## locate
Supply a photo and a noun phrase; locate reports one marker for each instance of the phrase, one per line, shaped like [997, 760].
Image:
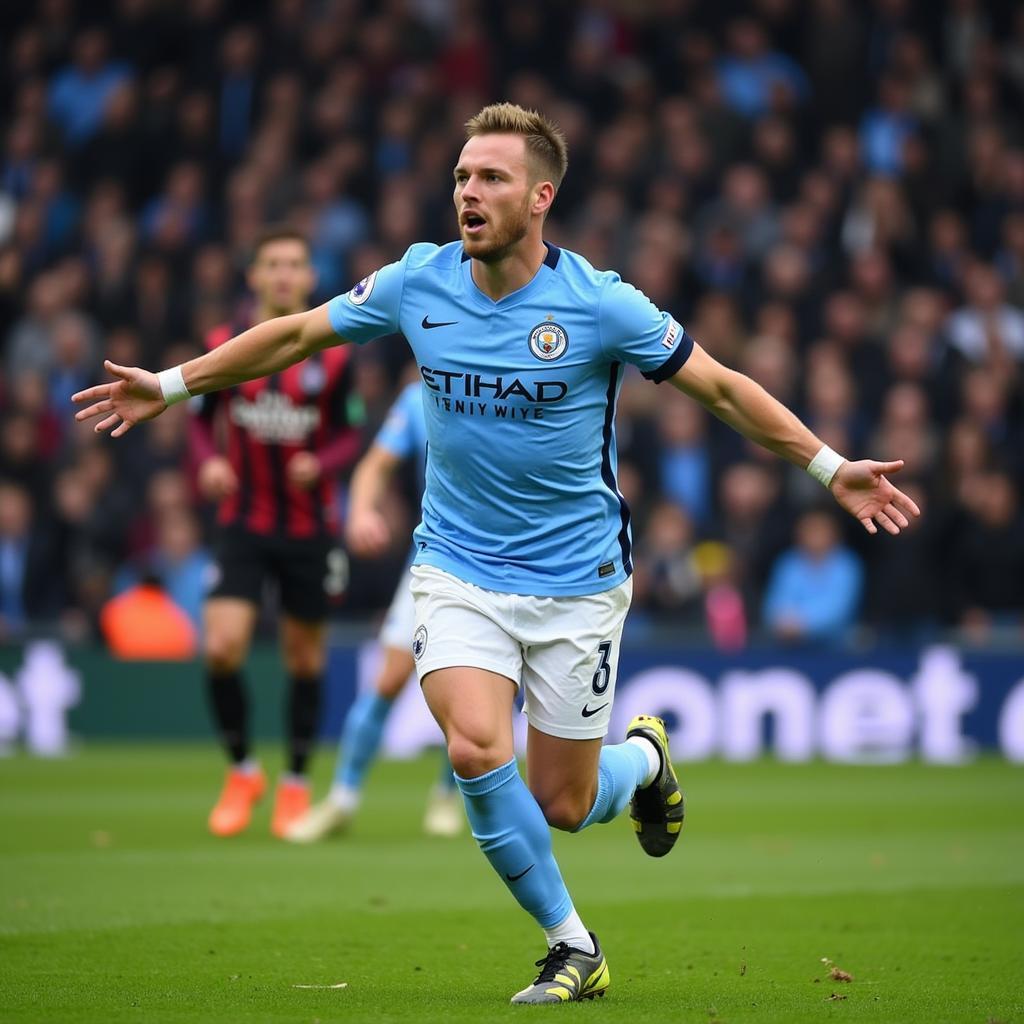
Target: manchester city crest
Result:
[419, 642]
[548, 341]
[361, 292]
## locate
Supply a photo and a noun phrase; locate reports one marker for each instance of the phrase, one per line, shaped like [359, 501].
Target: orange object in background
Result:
[144, 624]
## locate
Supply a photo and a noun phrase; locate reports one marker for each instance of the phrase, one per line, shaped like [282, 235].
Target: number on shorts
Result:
[603, 675]
[336, 580]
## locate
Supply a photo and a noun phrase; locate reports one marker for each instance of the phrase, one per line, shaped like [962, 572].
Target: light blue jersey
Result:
[519, 399]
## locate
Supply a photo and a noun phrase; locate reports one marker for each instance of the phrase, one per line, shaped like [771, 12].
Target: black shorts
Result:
[309, 573]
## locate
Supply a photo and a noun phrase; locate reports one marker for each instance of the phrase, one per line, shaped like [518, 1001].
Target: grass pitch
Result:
[115, 905]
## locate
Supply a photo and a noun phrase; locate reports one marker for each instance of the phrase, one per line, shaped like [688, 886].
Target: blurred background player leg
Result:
[229, 623]
[304, 645]
[302, 569]
[361, 736]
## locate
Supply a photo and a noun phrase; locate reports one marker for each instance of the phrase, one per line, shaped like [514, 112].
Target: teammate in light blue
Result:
[403, 435]
[522, 569]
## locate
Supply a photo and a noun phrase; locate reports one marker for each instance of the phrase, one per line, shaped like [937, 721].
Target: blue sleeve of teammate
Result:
[402, 432]
[634, 330]
[371, 309]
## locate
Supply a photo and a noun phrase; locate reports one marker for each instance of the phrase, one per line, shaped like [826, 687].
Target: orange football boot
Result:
[290, 804]
[233, 810]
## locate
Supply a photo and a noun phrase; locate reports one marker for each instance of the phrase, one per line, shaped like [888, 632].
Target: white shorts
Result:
[400, 621]
[563, 650]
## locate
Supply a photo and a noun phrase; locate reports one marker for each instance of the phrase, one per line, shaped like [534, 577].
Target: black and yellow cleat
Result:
[657, 810]
[568, 975]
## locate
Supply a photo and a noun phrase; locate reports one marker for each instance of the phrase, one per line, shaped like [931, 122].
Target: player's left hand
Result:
[862, 489]
[303, 470]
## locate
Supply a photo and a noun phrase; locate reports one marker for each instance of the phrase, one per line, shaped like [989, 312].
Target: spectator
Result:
[685, 462]
[815, 587]
[989, 557]
[669, 580]
[30, 570]
[79, 93]
[752, 524]
[754, 79]
[985, 328]
[885, 129]
[239, 55]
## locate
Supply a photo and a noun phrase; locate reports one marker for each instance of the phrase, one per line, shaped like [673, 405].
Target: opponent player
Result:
[285, 436]
[403, 434]
[522, 569]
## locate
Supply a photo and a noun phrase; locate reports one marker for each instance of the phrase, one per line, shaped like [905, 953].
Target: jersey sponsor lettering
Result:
[273, 418]
[499, 388]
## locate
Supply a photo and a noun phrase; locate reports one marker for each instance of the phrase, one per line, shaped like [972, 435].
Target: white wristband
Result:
[824, 466]
[172, 385]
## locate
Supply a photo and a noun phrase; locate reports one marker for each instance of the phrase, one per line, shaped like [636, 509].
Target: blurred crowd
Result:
[829, 194]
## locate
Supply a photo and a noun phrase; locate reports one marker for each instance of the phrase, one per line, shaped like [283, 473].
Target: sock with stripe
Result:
[510, 828]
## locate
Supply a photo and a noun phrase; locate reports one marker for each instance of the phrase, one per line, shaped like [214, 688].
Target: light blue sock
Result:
[511, 829]
[360, 738]
[621, 769]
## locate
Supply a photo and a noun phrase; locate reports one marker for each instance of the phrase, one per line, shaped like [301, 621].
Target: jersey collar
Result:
[538, 281]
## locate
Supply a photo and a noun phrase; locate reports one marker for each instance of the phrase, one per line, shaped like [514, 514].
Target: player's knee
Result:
[304, 664]
[471, 759]
[564, 811]
[223, 653]
[390, 686]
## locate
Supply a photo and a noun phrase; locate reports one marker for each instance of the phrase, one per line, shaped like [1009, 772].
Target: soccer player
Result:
[285, 435]
[403, 434]
[522, 568]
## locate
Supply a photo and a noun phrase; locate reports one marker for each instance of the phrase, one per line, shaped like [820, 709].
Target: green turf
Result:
[116, 906]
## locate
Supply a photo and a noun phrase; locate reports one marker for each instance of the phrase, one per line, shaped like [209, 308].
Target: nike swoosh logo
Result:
[515, 878]
[428, 326]
[588, 711]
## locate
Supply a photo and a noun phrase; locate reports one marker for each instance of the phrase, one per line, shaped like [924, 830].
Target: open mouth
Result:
[472, 223]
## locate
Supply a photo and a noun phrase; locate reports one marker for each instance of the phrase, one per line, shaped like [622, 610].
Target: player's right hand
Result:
[135, 396]
[216, 478]
[367, 533]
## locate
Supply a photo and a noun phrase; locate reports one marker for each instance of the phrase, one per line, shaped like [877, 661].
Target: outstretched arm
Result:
[859, 487]
[268, 347]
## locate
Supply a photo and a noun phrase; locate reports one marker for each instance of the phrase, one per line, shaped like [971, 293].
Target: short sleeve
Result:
[398, 433]
[371, 309]
[634, 330]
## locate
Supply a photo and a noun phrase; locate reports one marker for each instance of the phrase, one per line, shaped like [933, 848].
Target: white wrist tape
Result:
[824, 466]
[172, 385]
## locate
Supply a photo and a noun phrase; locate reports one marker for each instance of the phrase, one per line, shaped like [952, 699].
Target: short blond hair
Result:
[546, 149]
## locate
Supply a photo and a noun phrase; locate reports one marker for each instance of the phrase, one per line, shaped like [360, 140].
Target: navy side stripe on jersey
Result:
[608, 474]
